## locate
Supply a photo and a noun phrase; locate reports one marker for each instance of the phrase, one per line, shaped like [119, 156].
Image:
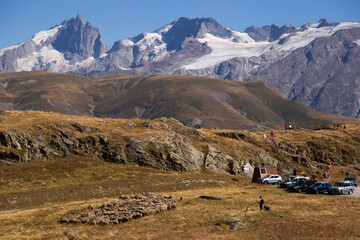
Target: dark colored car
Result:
[296, 182]
[351, 179]
[303, 186]
[293, 186]
[319, 187]
[283, 184]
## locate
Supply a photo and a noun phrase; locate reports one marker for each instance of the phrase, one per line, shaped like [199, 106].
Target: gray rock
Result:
[175, 153]
[150, 194]
[230, 219]
[233, 222]
[71, 234]
[218, 161]
[236, 225]
[79, 39]
[209, 197]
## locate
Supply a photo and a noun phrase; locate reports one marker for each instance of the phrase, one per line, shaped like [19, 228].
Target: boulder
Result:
[209, 197]
[233, 222]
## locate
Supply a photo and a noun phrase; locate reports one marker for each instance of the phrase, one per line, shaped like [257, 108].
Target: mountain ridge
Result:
[202, 46]
[193, 100]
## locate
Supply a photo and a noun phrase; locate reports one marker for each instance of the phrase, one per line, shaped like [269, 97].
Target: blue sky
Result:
[21, 19]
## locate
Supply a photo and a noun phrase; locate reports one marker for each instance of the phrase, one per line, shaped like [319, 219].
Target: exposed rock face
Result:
[79, 40]
[9, 58]
[217, 160]
[323, 75]
[61, 48]
[269, 33]
[173, 152]
[166, 144]
[126, 208]
[181, 156]
[198, 27]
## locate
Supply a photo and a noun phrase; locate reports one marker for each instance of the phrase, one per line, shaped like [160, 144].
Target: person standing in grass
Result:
[261, 202]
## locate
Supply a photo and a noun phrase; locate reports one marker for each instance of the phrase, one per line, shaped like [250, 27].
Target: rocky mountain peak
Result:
[269, 33]
[78, 40]
[323, 22]
[196, 27]
[79, 19]
[76, 22]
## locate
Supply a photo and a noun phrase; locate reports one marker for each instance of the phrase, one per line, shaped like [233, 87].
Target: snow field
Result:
[226, 49]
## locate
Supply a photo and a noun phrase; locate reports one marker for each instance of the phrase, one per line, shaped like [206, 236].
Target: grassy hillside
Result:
[195, 101]
[43, 190]
[67, 187]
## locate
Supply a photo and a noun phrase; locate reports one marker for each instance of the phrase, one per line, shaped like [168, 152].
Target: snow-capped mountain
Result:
[316, 64]
[62, 48]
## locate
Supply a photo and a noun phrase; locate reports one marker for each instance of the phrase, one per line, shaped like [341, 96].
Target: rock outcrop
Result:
[233, 222]
[78, 40]
[166, 144]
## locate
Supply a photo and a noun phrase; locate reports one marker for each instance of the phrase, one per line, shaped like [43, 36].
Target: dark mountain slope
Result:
[323, 75]
[195, 101]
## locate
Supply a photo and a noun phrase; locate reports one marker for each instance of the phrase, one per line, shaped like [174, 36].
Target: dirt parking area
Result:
[356, 193]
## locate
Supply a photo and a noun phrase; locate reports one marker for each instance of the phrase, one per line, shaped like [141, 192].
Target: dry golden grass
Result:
[30, 184]
[44, 191]
[292, 216]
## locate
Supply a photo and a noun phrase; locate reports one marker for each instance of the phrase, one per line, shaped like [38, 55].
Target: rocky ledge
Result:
[166, 144]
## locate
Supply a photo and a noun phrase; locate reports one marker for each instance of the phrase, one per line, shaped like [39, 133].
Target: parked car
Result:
[293, 186]
[270, 179]
[319, 187]
[260, 180]
[295, 182]
[342, 187]
[303, 186]
[285, 182]
[352, 180]
[291, 180]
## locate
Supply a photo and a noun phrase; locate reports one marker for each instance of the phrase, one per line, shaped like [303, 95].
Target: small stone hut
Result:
[260, 172]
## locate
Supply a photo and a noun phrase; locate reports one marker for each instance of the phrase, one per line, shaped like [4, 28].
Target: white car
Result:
[272, 179]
